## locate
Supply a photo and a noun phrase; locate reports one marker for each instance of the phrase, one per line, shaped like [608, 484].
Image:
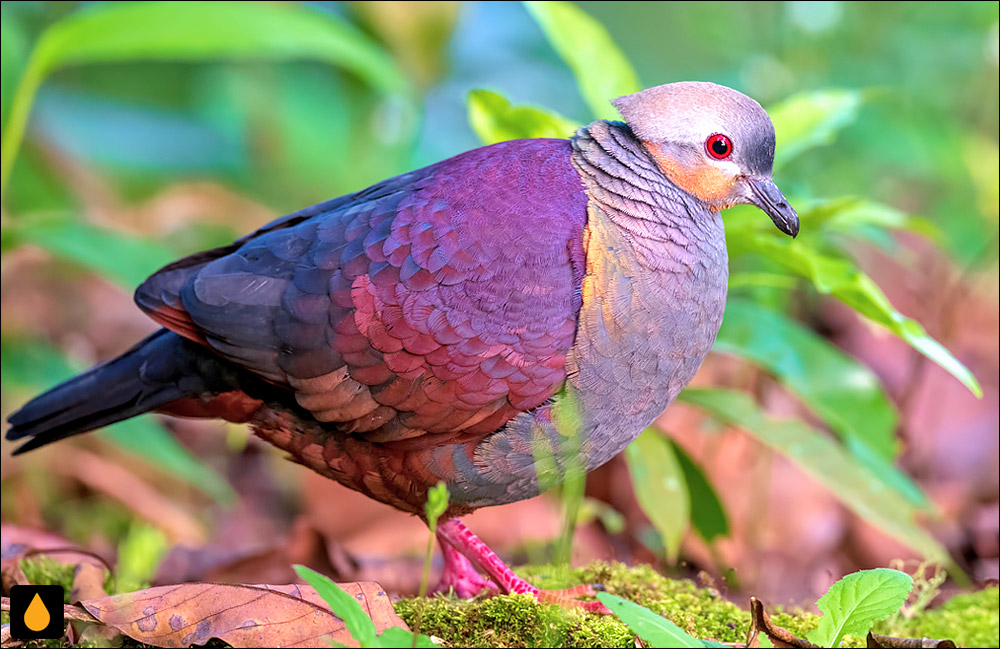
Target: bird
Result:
[487, 321]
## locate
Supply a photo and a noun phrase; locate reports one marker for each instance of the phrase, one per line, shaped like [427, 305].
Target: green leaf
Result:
[601, 69]
[843, 392]
[187, 31]
[180, 31]
[660, 487]
[655, 630]
[858, 600]
[752, 279]
[851, 215]
[841, 278]
[13, 56]
[127, 259]
[358, 624]
[807, 120]
[32, 365]
[437, 504]
[827, 462]
[708, 517]
[398, 637]
[495, 119]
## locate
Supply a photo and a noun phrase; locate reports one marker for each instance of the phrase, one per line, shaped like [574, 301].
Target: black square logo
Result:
[36, 612]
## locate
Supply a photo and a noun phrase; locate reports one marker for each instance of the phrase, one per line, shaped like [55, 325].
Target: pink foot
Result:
[459, 575]
[452, 533]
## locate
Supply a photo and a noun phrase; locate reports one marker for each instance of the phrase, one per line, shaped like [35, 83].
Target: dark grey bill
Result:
[769, 198]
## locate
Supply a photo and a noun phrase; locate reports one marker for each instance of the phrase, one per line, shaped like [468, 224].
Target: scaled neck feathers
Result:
[668, 228]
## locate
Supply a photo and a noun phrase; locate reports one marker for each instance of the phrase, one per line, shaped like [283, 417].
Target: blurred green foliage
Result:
[288, 104]
[139, 555]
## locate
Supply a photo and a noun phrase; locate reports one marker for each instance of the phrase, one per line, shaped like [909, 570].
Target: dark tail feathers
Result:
[162, 368]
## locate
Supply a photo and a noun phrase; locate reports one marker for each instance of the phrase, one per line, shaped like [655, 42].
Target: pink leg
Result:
[459, 575]
[461, 539]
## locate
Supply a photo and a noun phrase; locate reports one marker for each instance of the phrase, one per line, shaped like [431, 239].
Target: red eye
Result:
[719, 146]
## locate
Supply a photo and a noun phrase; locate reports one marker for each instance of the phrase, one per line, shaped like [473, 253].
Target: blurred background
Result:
[161, 131]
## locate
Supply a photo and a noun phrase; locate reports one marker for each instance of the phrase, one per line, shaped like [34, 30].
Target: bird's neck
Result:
[666, 227]
[653, 293]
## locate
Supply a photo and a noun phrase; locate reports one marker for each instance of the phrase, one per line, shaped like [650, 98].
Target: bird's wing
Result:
[440, 301]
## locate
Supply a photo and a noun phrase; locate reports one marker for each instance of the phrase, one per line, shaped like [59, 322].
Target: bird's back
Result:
[430, 308]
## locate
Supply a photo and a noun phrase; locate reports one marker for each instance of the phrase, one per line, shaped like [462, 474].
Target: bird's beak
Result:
[766, 195]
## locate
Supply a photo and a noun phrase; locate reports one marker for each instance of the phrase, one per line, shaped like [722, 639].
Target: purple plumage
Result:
[438, 326]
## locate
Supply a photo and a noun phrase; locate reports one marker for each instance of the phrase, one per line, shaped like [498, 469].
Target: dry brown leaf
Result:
[761, 622]
[781, 638]
[876, 640]
[88, 583]
[20, 542]
[11, 574]
[5, 639]
[243, 616]
[70, 612]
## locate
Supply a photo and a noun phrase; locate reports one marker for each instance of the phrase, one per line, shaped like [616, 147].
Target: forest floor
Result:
[969, 619]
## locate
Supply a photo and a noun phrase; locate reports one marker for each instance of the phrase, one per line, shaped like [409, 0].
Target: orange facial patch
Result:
[704, 180]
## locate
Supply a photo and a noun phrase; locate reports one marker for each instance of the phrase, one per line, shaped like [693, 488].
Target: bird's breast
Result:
[651, 309]
[650, 312]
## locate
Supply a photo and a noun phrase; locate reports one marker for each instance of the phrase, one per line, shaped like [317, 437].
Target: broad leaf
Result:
[858, 600]
[196, 31]
[853, 215]
[344, 606]
[843, 392]
[601, 69]
[13, 56]
[191, 614]
[841, 278]
[495, 119]
[660, 487]
[181, 31]
[400, 637]
[708, 516]
[361, 627]
[827, 462]
[655, 630]
[808, 120]
[126, 259]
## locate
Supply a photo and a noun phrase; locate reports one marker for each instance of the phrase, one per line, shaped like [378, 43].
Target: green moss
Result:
[44, 570]
[519, 621]
[970, 619]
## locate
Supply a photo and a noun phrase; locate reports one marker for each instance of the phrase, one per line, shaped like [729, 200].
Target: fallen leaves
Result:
[779, 637]
[190, 614]
[782, 638]
[240, 615]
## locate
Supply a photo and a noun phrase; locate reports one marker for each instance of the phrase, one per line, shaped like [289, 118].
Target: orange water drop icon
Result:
[36, 617]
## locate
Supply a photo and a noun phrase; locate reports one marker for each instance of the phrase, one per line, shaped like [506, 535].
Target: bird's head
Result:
[713, 142]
